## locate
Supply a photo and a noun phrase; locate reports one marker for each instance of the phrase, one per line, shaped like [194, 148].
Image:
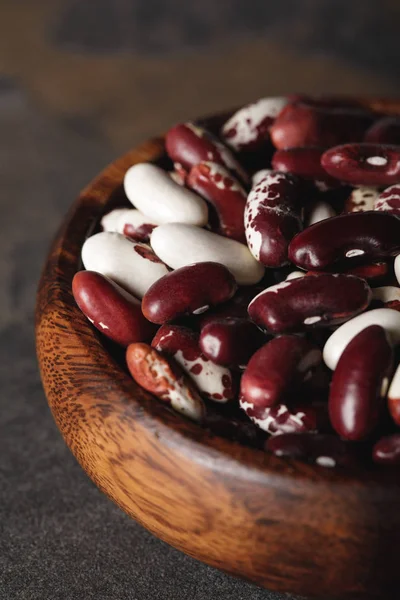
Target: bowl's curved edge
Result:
[235, 508]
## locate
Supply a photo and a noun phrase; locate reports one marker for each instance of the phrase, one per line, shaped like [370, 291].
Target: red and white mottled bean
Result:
[389, 200]
[155, 194]
[212, 380]
[179, 245]
[388, 296]
[259, 176]
[132, 265]
[387, 318]
[361, 199]
[272, 218]
[248, 128]
[165, 379]
[282, 418]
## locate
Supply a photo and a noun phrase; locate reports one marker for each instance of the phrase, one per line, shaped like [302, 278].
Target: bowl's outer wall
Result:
[282, 524]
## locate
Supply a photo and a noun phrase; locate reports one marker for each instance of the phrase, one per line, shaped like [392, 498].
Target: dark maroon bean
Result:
[369, 235]
[320, 449]
[387, 450]
[188, 290]
[319, 301]
[212, 380]
[302, 125]
[111, 309]
[230, 342]
[272, 218]
[384, 131]
[224, 192]
[363, 164]
[188, 144]
[360, 383]
[274, 371]
[389, 200]
[304, 162]
[374, 272]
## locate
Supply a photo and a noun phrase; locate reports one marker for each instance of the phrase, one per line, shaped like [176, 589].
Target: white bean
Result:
[155, 194]
[111, 220]
[131, 265]
[179, 245]
[397, 268]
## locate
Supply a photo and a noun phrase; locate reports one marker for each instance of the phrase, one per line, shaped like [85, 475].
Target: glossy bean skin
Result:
[109, 222]
[299, 124]
[132, 265]
[181, 245]
[384, 131]
[387, 450]
[361, 199]
[248, 128]
[216, 184]
[112, 310]
[272, 218]
[273, 372]
[165, 379]
[389, 200]
[230, 342]
[188, 290]
[319, 301]
[324, 450]
[394, 397]
[284, 418]
[305, 162]
[386, 318]
[189, 144]
[212, 380]
[360, 383]
[363, 164]
[369, 234]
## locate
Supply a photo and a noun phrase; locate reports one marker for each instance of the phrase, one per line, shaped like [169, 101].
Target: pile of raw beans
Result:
[255, 282]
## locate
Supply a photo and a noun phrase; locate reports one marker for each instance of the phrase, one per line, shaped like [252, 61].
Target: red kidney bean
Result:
[272, 218]
[320, 301]
[360, 383]
[394, 397]
[384, 131]
[368, 234]
[363, 164]
[248, 129]
[373, 273]
[361, 199]
[324, 450]
[212, 380]
[230, 342]
[299, 124]
[387, 450]
[224, 192]
[189, 144]
[112, 310]
[274, 371]
[283, 418]
[188, 290]
[165, 379]
[304, 162]
[389, 200]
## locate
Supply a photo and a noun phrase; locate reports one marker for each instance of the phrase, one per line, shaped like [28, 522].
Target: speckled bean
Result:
[131, 265]
[189, 144]
[212, 380]
[360, 383]
[389, 200]
[112, 310]
[179, 245]
[386, 318]
[165, 379]
[248, 128]
[228, 198]
[319, 301]
[361, 199]
[283, 418]
[368, 234]
[272, 218]
[188, 290]
[363, 164]
[155, 194]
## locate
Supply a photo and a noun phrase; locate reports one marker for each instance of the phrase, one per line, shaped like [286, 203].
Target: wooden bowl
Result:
[282, 524]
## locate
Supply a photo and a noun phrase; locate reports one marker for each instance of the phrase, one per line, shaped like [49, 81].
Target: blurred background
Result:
[82, 81]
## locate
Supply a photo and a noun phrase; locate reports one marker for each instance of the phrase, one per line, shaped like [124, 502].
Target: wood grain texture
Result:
[282, 524]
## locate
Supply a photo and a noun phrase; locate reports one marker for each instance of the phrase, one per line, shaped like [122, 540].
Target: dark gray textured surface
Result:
[60, 538]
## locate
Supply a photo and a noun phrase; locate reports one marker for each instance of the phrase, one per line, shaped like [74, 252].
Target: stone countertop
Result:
[69, 103]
